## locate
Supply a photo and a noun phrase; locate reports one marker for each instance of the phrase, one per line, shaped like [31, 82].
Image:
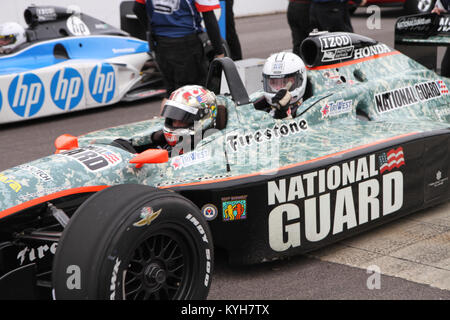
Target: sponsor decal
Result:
[234, 208]
[336, 47]
[398, 98]
[336, 108]
[278, 67]
[439, 180]
[331, 77]
[313, 206]
[413, 23]
[209, 211]
[371, 51]
[101, 26]
[26, 95]
[278, 130]
[1, 101]
[114, 282]
[442, 112]
[94, 158]
[10, 183]
[31, 254]
[147, 216]
[38, 173]
[444, 24]
[394, 158]
[166, 6]
[190, 159]
[124, 50]
[46, 14]
[102, 83]
[77, 27]
[67, 89]
[40, 193]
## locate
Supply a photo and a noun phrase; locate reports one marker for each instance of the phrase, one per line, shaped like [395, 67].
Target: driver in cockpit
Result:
[12, 35]
[189, 112]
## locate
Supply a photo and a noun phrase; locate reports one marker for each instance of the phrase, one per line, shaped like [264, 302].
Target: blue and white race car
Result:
[72, 61]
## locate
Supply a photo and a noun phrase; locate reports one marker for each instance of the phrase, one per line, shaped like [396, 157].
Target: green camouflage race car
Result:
[102, 220]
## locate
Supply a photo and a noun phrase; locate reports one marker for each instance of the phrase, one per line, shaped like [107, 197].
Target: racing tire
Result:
[134, 242]
[419, 6]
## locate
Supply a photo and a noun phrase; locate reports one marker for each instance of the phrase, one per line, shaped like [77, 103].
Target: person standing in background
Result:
[332, 15]
[298, 20]
[232, 37]
[443, 6]
[173, 28]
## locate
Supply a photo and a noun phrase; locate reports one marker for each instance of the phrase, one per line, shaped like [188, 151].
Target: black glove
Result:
[281, 99]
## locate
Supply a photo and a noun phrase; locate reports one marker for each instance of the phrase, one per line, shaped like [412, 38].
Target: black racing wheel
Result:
[134, 242]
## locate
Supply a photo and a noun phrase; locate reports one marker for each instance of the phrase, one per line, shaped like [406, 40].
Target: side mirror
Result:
[150, 156]
[66, 142]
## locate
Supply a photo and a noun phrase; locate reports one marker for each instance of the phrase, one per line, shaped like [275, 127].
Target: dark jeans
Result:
[181, 61]
[232, 37]
[330, 16]
[445, 67]
[298, 19]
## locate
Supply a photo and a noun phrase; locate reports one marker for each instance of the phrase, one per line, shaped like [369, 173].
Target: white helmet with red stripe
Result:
[189, 109]
[284, 70]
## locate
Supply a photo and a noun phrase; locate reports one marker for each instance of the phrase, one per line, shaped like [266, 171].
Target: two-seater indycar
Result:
[101, 219]
[72, 62]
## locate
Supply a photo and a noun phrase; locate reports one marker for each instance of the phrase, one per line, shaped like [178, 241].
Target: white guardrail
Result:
[108, 10]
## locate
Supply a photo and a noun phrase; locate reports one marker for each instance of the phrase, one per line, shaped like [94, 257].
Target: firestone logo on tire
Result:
[26, 95]
[102, 83]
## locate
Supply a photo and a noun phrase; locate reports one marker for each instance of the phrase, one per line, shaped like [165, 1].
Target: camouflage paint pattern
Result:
[343, 88]
[433, 40]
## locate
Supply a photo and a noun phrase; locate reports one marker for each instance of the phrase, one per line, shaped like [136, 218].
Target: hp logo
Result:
[102, 83]
[26, 95]
[67, 89]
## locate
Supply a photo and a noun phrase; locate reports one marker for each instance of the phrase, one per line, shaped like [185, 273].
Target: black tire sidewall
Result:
[107, 249]
[128, 237]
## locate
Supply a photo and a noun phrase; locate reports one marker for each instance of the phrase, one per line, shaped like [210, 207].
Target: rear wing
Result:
[419, 36]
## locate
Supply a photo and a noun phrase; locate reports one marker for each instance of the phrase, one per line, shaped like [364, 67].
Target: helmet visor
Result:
[177, 111]
[7, 40]
[273, 84]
